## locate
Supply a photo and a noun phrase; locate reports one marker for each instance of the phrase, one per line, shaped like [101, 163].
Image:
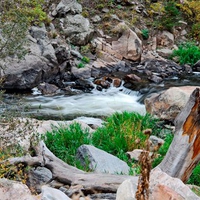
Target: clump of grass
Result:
[123, 132]
[187, 53]
[145, 34]
[64, 142]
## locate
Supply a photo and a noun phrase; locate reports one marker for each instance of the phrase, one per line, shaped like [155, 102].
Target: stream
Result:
[94, 104]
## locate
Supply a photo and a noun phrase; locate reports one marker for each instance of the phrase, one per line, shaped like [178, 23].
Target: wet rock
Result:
[103, 83]
[28, 73]
[47, 88]
[116, 82]
[132, 78]
[156, 79]
[101, 161]
[83, 84]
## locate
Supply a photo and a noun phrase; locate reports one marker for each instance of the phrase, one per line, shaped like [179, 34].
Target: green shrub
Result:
[122, 132]
[169, 17]
[81, 65]
[145, 34]
[187, 53]
[195, 177]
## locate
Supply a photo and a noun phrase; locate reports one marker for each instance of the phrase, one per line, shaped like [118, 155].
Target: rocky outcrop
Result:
[167, 104]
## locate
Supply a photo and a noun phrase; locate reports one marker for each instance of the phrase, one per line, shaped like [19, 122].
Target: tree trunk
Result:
[184, 152]
[66, 174]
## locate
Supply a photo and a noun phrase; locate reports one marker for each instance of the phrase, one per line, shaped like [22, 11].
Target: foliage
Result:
[84, 60]
[187, 53]
[195, 177]
[169, 17]
[145, 34]
[15, 18]
[122, 132]
[13, 172]
[64, 142]
[191, 11]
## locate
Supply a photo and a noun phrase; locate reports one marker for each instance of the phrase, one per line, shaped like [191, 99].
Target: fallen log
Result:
[66, 174]
[184, 152]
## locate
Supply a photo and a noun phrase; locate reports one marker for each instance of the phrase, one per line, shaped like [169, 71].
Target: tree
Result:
[184, 152]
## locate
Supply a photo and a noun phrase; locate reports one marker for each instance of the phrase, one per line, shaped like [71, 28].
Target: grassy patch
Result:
[187, 53]
[121, 132]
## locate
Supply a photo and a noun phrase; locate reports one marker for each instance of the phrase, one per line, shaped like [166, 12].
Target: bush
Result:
[145, 34]
[187, 53]
[122, 133]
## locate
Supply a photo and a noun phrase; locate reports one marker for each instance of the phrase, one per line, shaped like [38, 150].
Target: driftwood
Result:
[64, 173]
[184, 152]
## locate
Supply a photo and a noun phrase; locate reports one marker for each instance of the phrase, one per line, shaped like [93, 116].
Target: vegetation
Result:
[15, 20]
[187, 53]
[121, 133]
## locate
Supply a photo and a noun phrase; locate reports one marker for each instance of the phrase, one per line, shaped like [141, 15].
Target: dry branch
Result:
[67, 174]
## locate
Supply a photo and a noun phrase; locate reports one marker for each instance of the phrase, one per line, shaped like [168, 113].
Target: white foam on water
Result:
[97, 103]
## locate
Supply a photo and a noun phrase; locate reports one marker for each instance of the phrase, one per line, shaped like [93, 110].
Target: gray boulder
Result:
[77, 29]
[101, 161]
[67, 6]
[38, 177]
[49, 193]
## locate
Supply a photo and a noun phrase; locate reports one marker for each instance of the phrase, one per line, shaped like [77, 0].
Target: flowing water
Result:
[96, 103]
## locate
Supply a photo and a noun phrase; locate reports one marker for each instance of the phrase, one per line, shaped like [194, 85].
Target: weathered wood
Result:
[70, 175]
[184, 152]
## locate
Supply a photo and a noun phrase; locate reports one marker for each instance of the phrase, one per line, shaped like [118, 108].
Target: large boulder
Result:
[15, 190]
[38, 65]
[127, 46]
[77, 29]
[167, 104]
[162, 186]
[101, 161]
[67, 6]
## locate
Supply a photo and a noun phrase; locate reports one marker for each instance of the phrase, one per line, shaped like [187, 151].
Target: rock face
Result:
[100, 161]
[15, 190]
[169, 103]
[128, 46]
